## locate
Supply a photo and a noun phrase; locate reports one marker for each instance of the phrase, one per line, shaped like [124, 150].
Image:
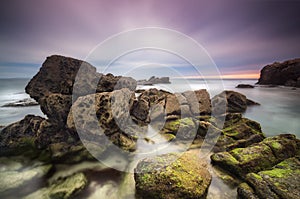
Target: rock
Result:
[62, 188]
[20, 137]
[149, 106]
[103, 114]
[238, 132]
[235, 102]
[56, 107]
[16, 179]
[286, 73]
[53, 85]
[154, 80]
[172, 176]
[182, 128]
[22, 103]
[259, 156]
[199, 101]
[244, 86]
[282, 181]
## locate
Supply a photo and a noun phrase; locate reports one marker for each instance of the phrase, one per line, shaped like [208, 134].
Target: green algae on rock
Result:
[282, 181]
[258, 157]
[62, 188]
[172, 176]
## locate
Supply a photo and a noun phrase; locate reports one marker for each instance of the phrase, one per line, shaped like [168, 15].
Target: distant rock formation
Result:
[154, 80]
[286, 73]
[22, 103]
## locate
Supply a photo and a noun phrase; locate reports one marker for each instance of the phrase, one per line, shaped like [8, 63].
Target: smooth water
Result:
[12, 90]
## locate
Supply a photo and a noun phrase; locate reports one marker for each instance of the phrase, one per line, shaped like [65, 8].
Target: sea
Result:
[278, 113]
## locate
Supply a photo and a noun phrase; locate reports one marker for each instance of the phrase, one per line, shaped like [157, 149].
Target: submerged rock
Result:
[12, 180]
[235, 102]
[259, 156]
[286, 73]
[244, 86]
[172, 176]
[282, 181]
[62, 188]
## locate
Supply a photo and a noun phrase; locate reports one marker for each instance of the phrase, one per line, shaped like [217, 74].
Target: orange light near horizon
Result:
[229, 76]
[241, 76]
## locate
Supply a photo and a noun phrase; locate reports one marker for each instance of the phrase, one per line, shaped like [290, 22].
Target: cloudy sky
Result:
[241, 36]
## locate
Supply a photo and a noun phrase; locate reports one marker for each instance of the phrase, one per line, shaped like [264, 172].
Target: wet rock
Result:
[282, 181]
[244, 86]
[238, 132]
[259, 156]
[172, 176]
[286, 73]
[62, 188]
[235, 102]
[104, 114]
[199, 102]
[20, 136]
[182, 128]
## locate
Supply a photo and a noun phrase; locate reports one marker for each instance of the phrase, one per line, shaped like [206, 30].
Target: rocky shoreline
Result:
[286, 73]
[264, 166]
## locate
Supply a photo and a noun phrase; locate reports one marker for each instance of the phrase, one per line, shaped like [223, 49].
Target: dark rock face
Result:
[258, 157]
[282, 181]
[235, 102]
[172, 176]
[244, 86]
[286, 73]
[53, 85]
[103, 114]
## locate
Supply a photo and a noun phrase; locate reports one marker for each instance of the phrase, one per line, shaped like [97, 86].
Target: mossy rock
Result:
[282, 181]
[62, 188]
[183, 128]
[172, 176]
[257, 157]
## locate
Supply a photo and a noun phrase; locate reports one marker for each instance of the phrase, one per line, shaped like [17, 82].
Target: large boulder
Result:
[104, 114]
[282, 181]
[57, 80]
[172, 176]
[286, 73]
[259, 156]
[235, 102]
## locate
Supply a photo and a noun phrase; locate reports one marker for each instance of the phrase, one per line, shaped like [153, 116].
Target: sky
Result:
[240, 36]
